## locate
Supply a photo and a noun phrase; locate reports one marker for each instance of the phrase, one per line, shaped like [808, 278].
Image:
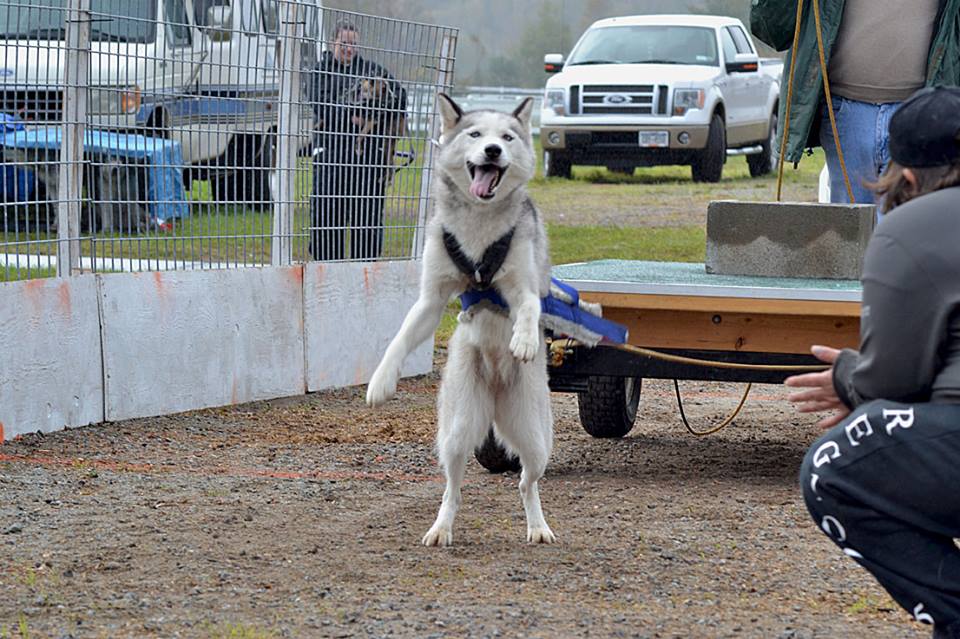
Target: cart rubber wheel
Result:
[495, 458]
[608, 408]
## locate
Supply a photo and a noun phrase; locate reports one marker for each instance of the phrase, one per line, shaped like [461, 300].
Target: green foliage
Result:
[522, 63]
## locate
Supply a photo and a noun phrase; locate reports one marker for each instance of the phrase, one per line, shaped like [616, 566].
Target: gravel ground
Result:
[302, 518]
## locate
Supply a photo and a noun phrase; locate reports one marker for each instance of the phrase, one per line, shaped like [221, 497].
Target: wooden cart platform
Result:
[679, 308]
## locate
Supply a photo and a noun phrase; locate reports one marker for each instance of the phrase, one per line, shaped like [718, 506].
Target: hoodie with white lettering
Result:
[910, 320]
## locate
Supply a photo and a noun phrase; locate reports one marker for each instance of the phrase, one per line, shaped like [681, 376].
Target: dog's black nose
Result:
[493, 151]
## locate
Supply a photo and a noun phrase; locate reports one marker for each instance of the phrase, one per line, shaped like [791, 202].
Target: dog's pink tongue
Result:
[482, 181]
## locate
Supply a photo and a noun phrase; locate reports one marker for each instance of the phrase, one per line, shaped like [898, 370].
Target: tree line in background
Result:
[502, 42]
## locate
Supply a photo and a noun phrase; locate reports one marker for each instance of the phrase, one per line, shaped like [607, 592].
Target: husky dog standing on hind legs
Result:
[484, 235]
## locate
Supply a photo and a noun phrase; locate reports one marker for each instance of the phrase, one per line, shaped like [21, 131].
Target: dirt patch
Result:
[302, 518]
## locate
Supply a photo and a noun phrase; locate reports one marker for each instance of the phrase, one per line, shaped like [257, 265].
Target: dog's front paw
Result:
[541, 535]
[438, 535]
[382, 386]
[524, 345]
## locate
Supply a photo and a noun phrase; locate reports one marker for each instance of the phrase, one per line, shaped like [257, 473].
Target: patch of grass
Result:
[863, 604]
[239, 631]
[448, 323]
[584, 243]
[23, 628]
[664, 195]
[13, 273]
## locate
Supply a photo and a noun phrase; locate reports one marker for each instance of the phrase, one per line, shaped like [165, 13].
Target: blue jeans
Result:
[864, 130]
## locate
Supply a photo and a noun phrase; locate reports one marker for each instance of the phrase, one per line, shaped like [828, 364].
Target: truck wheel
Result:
[765, 161]
[248, 183]
[556, 165]
[608, 408]
[707, 164]
[494, 457]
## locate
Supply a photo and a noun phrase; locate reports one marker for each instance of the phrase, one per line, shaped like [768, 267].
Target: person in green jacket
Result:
[878, 53]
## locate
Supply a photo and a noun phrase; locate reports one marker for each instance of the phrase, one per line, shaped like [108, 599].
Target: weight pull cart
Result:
[687, 324]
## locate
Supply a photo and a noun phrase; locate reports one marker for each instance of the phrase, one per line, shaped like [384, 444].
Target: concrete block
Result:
[776, 239]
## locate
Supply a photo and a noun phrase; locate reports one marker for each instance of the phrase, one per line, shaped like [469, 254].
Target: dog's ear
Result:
[450, 111]
[524, 112]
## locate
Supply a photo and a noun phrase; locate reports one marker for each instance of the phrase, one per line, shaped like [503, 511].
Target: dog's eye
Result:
[474, 134]
[508, 137]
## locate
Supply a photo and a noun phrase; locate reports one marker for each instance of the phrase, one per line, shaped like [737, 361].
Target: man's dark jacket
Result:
[334, 94]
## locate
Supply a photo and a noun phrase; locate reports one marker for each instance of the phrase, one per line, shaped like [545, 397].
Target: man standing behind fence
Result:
[357, 104]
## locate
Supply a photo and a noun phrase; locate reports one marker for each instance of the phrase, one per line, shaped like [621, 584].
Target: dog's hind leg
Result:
[465, 411]
[524, 421]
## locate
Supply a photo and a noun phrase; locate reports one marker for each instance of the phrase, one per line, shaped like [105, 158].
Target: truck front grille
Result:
[613, 99]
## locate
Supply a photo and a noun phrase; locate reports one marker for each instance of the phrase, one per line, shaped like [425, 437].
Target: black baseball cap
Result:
[925, 130]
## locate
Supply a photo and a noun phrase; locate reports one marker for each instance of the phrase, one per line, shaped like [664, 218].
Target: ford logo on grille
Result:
[6, 73]
[616, 98]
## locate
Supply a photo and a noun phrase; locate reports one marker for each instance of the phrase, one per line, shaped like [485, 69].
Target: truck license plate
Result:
[654, 139]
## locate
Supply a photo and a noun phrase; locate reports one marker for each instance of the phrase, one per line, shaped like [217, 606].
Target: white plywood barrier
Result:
[352, 311]
[51, 375]
[182, 340]
[86, 349]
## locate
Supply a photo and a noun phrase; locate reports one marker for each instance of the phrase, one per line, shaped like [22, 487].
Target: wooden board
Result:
[731, 331]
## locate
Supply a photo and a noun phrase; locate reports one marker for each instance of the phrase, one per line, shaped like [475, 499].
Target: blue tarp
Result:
[162, 159]
[16, 183]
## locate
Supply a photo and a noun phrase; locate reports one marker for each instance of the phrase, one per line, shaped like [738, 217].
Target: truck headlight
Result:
[686, 99]
[555, 99]
[113, 100]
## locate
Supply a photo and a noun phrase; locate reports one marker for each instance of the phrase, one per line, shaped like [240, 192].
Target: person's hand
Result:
[357, 121]
[820, 395]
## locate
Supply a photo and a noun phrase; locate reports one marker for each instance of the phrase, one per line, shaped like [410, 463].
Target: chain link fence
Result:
[176, 134]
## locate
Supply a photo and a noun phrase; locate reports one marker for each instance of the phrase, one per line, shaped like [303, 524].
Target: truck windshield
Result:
[112, 20]
[648, 44]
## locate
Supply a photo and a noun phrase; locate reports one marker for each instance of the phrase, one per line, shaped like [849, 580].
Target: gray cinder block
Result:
[776, 239]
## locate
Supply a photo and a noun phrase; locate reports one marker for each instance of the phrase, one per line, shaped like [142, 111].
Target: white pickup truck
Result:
[201, 72]
[661, 89]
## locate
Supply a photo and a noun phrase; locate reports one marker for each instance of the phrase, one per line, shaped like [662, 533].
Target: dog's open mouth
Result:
[485, 179]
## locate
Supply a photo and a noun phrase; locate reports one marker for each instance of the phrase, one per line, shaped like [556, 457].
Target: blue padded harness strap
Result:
[569, 290]
[576, 321]
[473, 296]
[582, 323]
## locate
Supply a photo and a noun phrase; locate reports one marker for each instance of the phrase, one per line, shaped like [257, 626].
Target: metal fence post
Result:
[71, 149]
[448, 45]
[288, 131]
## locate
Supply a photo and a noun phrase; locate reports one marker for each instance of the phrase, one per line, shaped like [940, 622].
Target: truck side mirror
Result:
[219, 23]
[743, 63]
[553, 62]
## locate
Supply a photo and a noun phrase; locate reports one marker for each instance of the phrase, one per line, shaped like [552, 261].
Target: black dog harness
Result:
[493, 258]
